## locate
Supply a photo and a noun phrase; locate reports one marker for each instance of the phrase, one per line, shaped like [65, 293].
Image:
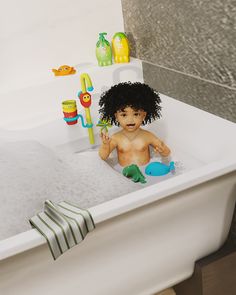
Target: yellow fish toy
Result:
[64, 71]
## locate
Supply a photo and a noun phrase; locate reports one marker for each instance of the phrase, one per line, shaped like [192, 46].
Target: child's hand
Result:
[105, 138]
[159, 148]
[162, 149]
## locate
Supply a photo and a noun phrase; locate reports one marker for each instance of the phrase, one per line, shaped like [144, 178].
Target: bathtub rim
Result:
[103, 212]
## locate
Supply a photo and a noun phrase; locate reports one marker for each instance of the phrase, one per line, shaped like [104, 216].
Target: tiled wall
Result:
[188, 48]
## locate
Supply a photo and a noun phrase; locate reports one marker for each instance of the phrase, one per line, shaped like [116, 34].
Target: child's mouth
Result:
[130, 125]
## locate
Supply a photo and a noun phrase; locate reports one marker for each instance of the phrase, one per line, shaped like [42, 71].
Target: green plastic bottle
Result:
[103, 51]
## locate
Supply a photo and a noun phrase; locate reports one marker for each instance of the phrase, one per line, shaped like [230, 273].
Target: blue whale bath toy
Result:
[159, 169]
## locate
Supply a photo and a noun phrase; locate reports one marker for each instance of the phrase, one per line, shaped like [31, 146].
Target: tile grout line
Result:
[190, 75]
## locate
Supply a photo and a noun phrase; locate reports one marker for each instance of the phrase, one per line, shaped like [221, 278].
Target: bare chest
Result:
[136, 145]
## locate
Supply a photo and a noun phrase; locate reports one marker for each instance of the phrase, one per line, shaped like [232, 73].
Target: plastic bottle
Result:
[103, 51]
[120, 47]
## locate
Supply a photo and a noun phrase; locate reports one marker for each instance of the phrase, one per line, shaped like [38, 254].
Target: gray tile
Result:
[210, 97]
[197, 37]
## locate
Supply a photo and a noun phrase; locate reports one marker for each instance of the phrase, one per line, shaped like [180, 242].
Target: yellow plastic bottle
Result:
[120, 47]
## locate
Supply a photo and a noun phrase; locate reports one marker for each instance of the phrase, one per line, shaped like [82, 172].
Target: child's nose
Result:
[131, 121]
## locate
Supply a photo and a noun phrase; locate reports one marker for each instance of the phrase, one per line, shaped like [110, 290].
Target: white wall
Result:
[38, 35]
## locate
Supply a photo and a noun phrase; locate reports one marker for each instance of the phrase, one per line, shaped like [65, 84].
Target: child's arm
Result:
[159, 146]
[107, 146]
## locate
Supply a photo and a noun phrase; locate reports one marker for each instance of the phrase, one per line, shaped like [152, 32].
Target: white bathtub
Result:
[147, 240]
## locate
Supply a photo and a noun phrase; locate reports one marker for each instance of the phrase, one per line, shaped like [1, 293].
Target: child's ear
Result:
[144, 116]
[116, 118]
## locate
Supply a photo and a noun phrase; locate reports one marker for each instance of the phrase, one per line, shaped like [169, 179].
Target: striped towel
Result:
[63, 225]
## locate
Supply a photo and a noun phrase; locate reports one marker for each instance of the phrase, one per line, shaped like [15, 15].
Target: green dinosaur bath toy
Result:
[132, 171]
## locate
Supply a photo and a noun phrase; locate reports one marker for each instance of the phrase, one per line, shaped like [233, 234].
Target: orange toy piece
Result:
[64, 71]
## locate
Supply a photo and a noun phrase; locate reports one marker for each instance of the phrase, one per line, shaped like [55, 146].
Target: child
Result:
[130, 105]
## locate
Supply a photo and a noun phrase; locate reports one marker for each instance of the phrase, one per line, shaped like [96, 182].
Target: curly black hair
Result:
[137, 95]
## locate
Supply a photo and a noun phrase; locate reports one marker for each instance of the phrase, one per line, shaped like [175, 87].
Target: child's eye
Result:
[136, 114]
[123, 115]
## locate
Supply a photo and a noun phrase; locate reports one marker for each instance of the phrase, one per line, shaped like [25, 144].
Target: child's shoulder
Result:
[116, 135]
[147, 133]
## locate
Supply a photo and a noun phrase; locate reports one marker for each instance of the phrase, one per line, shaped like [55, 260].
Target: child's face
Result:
[130, 119]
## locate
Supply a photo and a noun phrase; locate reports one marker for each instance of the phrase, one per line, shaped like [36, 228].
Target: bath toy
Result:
[70, 114]
[120, 47]
[64, 71]
[132, 171]
[104, 124]
[85, 100]
[70, 111]
[103, 51]
[159, 169]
